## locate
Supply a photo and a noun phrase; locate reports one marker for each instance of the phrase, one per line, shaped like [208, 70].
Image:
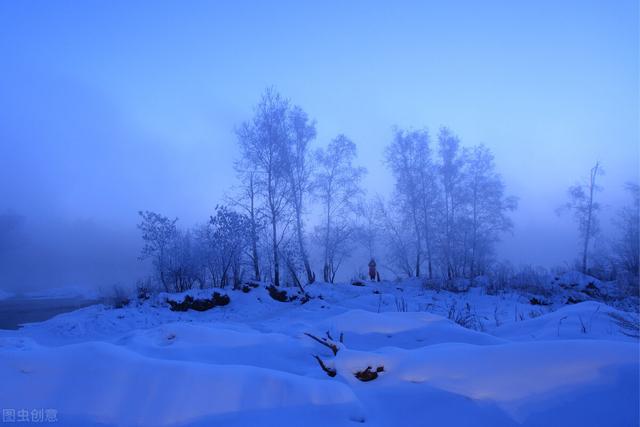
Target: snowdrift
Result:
[251, 363]
[99, 383]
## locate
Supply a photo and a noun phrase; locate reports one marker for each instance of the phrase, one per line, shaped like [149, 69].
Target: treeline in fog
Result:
[299, 213]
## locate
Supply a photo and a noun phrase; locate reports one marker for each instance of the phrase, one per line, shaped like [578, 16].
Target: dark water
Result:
[16, 311]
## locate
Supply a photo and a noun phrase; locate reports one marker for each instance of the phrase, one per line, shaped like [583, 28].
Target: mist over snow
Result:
[330, 213]
[108, 110]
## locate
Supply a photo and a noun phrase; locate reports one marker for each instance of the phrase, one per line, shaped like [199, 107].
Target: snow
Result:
[250, 362]
[526, 381]
[368, 330]
[111, 384]
[586, 320]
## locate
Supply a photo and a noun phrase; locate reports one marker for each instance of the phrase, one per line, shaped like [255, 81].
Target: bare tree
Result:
[368, 226]
[627, 246]
[171, 251]
[290, 252]
[264, 142]
[247, 201]
[450, 171]
[400, 250]
[301, 132]
[158, 233]
[488, 207]
[585, 210]
[337, 186]
[409, 158]
[229, 235]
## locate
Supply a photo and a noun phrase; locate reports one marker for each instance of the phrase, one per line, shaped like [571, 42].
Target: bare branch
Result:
[331, 345]
[330, 371]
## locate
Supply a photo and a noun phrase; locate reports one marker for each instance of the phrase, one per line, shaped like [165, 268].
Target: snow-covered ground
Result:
[251, 363]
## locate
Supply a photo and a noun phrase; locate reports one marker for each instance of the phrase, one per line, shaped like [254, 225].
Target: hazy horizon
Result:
[108, 110]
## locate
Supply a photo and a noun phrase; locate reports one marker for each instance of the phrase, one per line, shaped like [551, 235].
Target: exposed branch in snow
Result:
[330, 371]
[341, 339]
[325, 342]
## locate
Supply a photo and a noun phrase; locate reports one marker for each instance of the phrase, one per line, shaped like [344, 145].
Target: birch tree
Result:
[450, 174]
[416, 192]
[582, 203]
[247, 200]
[301, 132]
[337, 187]
[488, 207]
[400, 252]
[263, 142]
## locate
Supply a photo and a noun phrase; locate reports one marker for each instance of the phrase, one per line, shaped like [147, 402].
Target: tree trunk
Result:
[429, 261]
[254, 233]
[303, 252]
[326, 270]
[276, 263]
[587, 236]
[254, 256]
[416, 226]
[472, 268]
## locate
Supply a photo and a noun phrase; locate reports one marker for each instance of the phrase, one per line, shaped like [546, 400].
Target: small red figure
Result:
[372, 270]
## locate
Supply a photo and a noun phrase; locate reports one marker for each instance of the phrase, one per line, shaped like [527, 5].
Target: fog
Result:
[107, 109]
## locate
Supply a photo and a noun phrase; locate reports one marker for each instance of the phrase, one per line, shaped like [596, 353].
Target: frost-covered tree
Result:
[264, 142]
[449, 211]
[627, 246]
[159, 234]
[368, 226]
[293, 261]
[230, 235]
[582, 203]
[170, 250]
[416, 193]
[337, 187]
[301, 132]
[400, 248]
[184, 269]
[247, 200]
[487, 208]
[450, 173]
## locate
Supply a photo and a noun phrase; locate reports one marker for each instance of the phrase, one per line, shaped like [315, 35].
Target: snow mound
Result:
[535, 383]
[576, 279]
[250, 362]
[367, 330]
[586, 320]
[113, 385]
[221, 345]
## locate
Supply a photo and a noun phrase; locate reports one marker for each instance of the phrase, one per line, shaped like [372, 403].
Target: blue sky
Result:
[109, 107]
